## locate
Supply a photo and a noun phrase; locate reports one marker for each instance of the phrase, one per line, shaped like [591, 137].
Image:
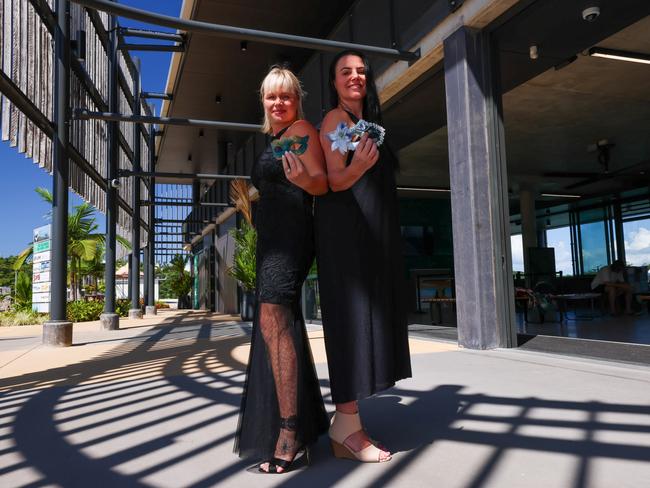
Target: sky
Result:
[636, 235]
[21, 209]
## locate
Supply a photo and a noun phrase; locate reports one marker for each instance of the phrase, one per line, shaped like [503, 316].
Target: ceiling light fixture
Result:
[533, 51]
[559, 195]
[217, 99]
[416, 188]
[601, 52]
[243, 46]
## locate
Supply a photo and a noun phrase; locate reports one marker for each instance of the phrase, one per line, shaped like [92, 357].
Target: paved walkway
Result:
[155, 404]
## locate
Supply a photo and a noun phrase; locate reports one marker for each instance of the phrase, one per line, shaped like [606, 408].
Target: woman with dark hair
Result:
[361, 276]
[282, 409]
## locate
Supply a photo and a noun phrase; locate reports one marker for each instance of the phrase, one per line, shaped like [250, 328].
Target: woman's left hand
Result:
[294, 170]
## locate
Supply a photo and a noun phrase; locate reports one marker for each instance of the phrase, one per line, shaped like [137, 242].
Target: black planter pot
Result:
[247, 305]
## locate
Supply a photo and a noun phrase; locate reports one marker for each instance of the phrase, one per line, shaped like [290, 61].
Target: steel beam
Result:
[58, 331]
[83, 114]
[184, 204]
[109, 319]
[134, 278]
[239, 33]
[150, 34]
[174, 48]
[150, 297]
[158, 96]
[180, 221]
[25, 105]
[190, 176]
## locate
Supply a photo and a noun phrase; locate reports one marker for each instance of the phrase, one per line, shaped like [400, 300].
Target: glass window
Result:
[417, 240]
[517, 246]
[637, 242]
[560, 240]
[594, 246]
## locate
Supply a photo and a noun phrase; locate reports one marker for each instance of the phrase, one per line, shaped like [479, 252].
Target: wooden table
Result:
[439, 285]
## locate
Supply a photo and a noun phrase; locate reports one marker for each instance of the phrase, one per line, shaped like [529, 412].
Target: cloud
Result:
[637, 248]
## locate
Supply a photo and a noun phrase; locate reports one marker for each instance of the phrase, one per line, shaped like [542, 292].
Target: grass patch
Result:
[25, 317]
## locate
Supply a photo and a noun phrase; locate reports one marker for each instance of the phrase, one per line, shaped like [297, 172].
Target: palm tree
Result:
[84, 243]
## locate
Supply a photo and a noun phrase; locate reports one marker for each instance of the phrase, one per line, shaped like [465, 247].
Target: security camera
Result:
[590, 14]
[116, 183]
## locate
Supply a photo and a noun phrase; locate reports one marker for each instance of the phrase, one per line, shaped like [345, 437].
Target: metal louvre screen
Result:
[27, 56]
[26, 48]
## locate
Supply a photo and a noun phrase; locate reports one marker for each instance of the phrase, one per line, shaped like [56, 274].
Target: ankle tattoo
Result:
[289, 423]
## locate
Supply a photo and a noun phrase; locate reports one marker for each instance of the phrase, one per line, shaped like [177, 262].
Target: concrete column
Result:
[479, 193]
[109, 319]
[528, 223]
[58, 331]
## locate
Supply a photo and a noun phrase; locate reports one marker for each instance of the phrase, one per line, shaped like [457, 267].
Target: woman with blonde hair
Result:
[282, 410]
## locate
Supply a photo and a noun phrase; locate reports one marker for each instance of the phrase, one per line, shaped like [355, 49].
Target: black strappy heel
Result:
[288, 424]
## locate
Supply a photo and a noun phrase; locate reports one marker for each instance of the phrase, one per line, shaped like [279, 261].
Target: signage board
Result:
[41, 288]
[41, 278]
[42, 256]
[41, 298]
[42, 246]
[41, 267]
[43, 233]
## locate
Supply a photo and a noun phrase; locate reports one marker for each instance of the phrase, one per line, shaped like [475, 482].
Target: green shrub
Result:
[122, 307]
[81, 311]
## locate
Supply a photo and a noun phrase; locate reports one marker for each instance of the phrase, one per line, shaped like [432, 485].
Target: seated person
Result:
[610, 280]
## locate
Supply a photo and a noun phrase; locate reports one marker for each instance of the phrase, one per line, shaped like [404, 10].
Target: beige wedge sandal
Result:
[342, 427]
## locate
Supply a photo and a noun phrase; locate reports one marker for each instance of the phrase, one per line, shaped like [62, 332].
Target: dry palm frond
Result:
[240, 198]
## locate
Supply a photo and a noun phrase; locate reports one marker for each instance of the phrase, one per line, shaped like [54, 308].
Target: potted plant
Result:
[245, 237]
[180, 281]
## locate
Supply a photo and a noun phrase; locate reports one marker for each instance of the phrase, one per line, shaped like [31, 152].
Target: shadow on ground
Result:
[160, 410]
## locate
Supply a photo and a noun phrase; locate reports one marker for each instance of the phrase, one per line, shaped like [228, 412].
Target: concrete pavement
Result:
[155, 404]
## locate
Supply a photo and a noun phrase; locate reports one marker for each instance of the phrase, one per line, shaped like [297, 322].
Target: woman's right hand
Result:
[366, 154]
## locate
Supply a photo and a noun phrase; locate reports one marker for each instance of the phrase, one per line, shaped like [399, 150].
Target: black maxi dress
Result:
[281, 379]
[362, 284]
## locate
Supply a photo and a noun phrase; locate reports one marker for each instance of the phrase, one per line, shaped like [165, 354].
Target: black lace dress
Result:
[362, 284]
[281, 381]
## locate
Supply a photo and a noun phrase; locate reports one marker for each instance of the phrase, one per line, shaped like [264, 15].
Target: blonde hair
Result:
[281, 79]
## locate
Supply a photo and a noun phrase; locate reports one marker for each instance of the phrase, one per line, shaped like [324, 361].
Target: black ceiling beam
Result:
[82, 114]
[242, 34]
